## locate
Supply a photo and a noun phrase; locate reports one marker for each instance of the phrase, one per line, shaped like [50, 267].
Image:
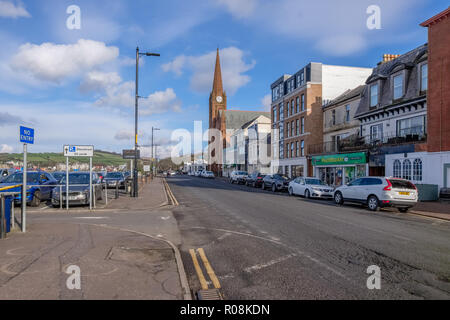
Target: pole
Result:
[153, 173]
[24, 190]
[2, 217]
[60, 197]
[90, 183]
[135, 180]
[67, 183]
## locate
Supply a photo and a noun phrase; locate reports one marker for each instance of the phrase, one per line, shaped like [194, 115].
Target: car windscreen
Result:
[401, 184]
[32, 177]
[314, 181]
[114, 175]
[58, 175]
[243, 173]
[77, 178]
[280, 177]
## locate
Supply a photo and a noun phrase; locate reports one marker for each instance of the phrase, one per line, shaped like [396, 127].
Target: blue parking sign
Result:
[26, 135]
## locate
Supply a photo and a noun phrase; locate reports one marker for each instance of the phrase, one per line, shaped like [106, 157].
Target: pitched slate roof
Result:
[347, 95]
[235, 119]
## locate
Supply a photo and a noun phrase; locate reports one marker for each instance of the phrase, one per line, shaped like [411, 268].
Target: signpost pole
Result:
[67, 183]
[90, 183]
[24, 190]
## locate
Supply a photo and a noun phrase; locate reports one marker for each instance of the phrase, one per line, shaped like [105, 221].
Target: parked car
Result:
[58, 175]
[255, 180]
[4, 173]
[377, 192]
[40, 183]
[276, 182]
[238, 176]
[310, 188]
[78, 189]
[208, 174]
[198, 173]
[112, 179]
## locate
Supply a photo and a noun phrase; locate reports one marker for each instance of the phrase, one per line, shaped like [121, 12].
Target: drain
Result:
[209, 294]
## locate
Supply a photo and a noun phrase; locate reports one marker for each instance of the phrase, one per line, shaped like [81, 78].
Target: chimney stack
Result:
[389, 57]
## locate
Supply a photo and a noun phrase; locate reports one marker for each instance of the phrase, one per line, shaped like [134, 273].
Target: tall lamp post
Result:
[135, 175]
[153, 166]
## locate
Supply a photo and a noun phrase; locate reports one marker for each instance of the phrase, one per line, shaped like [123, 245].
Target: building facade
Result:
[297, 118]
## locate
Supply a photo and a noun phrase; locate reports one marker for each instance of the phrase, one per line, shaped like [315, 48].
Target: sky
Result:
[74, 83]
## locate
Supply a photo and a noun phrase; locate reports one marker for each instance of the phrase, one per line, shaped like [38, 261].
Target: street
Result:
[263, 245]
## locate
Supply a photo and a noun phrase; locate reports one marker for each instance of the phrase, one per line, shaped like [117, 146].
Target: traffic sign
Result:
[129, 154]
[78, 151]
[26, 135]
[146, 168]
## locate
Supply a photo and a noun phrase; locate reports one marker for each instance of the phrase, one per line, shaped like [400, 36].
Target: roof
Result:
[347, 95]
[236, 119]
[436, 18]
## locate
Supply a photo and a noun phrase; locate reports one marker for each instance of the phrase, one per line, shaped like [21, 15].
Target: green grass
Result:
[102, 158]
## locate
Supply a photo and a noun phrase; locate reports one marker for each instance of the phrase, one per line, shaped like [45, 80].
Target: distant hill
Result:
[101, 158]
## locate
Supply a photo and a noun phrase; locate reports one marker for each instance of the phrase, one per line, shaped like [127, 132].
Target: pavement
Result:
[264, 245]
[435, 209]
[128, 250]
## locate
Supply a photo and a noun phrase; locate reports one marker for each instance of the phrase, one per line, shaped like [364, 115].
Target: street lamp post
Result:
[153, 166]
[135, 175]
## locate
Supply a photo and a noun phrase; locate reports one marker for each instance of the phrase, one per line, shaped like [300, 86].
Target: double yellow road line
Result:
[208, 268]
[170, 195]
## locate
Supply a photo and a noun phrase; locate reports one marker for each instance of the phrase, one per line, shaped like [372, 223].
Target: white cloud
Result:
[124, 135]
[99, 81]
[239, 8]
[266, 101]
[57, 62]
[160, 102]
[10, 10]
[4, 148]
[202, 67]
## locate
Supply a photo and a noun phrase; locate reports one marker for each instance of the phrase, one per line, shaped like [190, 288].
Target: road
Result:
[264, 245]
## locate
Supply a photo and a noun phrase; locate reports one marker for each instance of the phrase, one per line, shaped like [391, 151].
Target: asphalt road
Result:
[264, 245]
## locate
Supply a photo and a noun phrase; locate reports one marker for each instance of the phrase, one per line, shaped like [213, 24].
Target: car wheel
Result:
[263, 186]
[373, 204]
[291, 192]
[403, 210]
[274, 187]
[307, 194]
[338, 199]
[36, 201]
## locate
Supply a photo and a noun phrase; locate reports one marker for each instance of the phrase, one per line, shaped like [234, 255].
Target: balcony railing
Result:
[357, 143]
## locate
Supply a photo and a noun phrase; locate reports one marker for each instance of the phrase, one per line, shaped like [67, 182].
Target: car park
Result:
[238, 176]
[310, 188]
[275, 182]
[208, 174]
[377, 192]
[255, 180]
[78, 189]
[39, 186]
[113, 179]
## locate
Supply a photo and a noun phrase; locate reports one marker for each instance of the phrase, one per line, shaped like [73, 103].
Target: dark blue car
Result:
[39, 186]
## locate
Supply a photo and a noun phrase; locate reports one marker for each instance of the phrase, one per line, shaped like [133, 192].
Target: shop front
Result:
[338, 169]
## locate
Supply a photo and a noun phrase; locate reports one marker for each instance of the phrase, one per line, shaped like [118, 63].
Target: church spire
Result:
[217, 84]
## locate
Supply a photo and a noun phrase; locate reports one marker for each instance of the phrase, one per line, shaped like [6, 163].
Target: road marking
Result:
[165, 218]
[44, 208]
[224, 236]
[269, 263]
[93, 218]
[208, 268]
[199, 271]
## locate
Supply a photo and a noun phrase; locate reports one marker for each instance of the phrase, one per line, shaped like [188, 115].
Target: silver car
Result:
[310, 188]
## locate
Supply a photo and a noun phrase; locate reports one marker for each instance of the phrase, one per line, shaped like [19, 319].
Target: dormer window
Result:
[398, 86]
[374, 95]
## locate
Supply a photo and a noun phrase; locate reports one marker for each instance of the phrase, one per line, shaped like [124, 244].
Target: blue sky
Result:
[77, 86]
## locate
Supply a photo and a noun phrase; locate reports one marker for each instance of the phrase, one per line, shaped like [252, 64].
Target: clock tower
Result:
[217, 98]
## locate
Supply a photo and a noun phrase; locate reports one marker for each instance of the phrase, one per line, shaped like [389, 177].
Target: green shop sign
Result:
[345, 158]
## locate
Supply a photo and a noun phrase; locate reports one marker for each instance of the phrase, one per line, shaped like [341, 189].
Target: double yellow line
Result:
[208, 268]
[170, 193]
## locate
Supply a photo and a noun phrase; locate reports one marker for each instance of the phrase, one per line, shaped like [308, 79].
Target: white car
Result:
[208, 174]
[238, 176]
[198, 173]
[310, 188]
[377, 192]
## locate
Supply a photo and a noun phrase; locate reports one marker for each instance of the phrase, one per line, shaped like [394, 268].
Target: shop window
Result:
[397, 169]
[417, 170]
[406, 170]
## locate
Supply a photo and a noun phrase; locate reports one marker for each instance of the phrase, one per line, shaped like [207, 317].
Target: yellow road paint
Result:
[209, 269]
[199, 271]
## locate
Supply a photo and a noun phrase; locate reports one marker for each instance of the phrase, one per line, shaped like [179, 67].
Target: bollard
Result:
[95, 195]
[106, 193]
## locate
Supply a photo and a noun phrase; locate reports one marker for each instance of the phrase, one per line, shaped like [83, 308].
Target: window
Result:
[281, 150]
[417, 170]
[398, 86]
[374, 95]
[414, 125]
[288, 129]
[287, 108]
[281, 111]
[302, 148]
[303, 102]
[347, 113]
[292, 107]
[297, 105]
[376, 132]
[297, 149]
[406, 170]
[397, 169]
[287, 150]
[297, 127]
[333, 117]
[292, 150]
[424, 77]
[303, 125]
[292, 128]
[274, 114]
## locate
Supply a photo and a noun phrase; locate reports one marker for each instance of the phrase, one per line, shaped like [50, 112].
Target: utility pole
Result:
[153, 167]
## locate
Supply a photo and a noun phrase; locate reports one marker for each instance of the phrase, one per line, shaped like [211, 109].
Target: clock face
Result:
[219, 99]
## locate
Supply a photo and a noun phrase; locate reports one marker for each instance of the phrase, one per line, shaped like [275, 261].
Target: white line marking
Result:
[165, 218]
[44, 208]
[269, 263]
[93, 218]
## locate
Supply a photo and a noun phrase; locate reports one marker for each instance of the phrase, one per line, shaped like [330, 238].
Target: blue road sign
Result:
[26, 135]
[72, 149]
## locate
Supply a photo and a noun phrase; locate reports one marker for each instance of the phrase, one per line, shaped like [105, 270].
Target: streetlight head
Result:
[148, 54]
